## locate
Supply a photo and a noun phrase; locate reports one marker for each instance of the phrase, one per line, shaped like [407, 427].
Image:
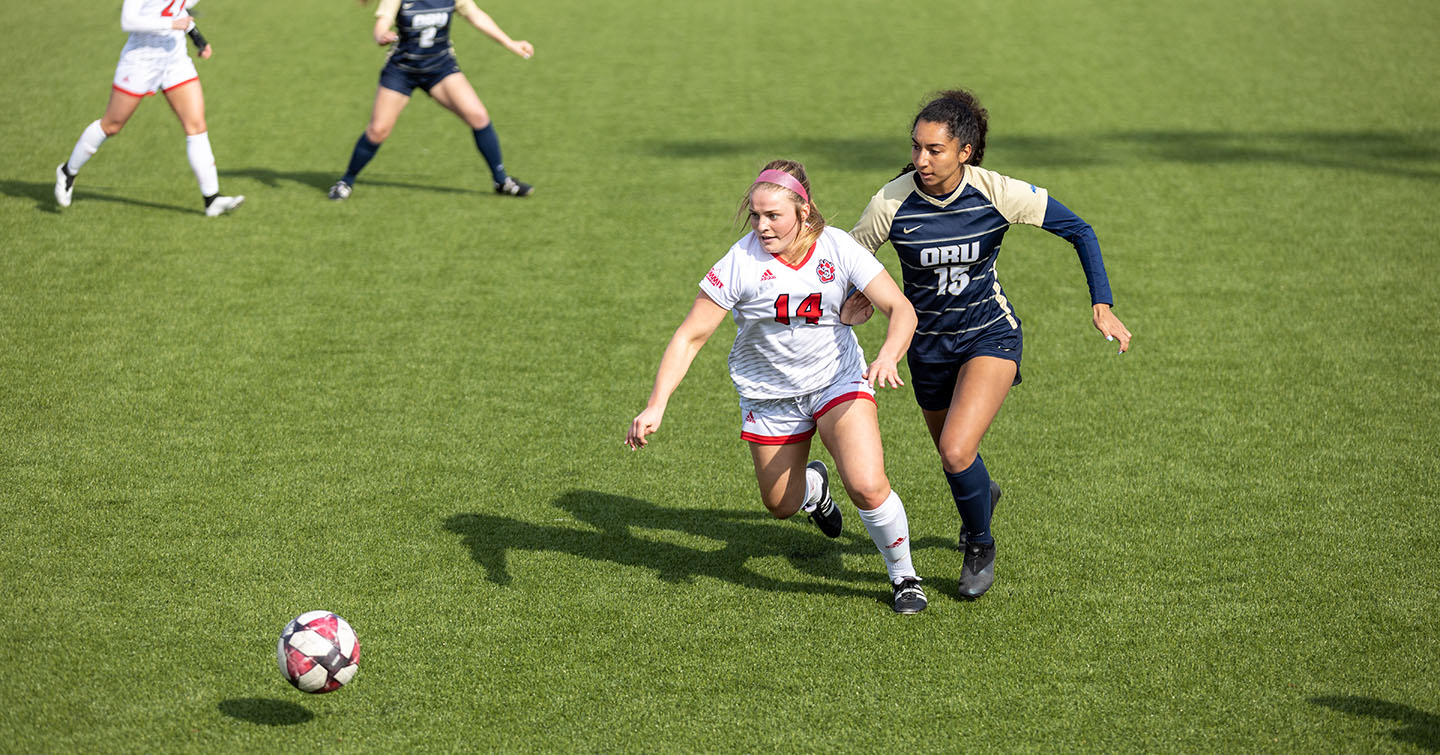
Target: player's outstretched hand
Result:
[646, 422]
[206, 53]
[522, 48]
[856, 309]
[883, 371]
[1110, 326]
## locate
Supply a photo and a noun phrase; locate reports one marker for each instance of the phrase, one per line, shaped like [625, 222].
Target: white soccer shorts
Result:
[782, 421]
[141, 73]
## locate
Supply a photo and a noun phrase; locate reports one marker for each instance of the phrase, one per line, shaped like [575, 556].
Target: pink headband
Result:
[781, 178]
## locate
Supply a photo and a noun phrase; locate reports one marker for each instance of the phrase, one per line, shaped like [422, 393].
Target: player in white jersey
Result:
[798, 370]
[154, 59]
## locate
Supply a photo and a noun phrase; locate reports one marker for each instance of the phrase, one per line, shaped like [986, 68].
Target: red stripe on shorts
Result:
[183, 83]
[838, 400]
[777, 440]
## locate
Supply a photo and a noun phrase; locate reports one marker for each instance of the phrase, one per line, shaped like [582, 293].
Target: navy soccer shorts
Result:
[397, 79]
[934, 383]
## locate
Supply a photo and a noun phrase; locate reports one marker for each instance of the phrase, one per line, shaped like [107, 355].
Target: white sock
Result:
[202, 161]
[90, 141]
[812, 490]
[890, 529]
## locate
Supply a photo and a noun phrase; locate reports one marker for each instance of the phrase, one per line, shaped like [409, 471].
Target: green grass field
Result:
[408, 408]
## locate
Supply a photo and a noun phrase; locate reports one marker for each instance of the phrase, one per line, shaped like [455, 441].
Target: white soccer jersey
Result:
[149, 23]
[790, 340]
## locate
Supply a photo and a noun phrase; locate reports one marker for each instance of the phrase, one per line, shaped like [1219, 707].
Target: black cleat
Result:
[826, 514]
[978, 573]
[907, 597]
[994, 499]
[340, 191]
[513, 188]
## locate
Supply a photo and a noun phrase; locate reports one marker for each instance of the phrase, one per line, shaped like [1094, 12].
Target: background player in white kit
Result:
[798, 369]
[155, 59]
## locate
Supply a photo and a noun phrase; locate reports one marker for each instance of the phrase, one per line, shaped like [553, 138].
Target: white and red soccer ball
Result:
[318, 652]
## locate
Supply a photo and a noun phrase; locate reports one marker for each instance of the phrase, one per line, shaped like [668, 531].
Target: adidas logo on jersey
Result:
[750, 418]
[768, 276]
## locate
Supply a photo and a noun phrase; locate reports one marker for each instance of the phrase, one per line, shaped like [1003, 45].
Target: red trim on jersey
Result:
[123, 90]
[181, 84]
[777, 440]
[838, 400]
[799, 264]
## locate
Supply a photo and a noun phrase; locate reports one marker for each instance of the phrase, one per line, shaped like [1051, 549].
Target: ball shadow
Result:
[269, 712]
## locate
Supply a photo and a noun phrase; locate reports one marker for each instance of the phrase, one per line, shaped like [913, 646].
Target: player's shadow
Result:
[44, 196]
[638, 533]
[260, 710]
[323, 181]
[1418, 728]
[1404, 154]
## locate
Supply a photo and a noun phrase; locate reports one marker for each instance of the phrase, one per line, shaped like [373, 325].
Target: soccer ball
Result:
[318, 652]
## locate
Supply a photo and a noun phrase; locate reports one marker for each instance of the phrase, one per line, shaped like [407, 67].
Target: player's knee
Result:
[957, 459]
[377, 134]
[194, 128]
[867, 494]
[110, 127]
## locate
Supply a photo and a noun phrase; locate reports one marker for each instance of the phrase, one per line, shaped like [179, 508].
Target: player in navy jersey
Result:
[798, 369]
[155, 59]
[946, 216]
[423, 57]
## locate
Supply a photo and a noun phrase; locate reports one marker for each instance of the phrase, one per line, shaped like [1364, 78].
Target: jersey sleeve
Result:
[1018, 201]
[133, 18]
[873, 228]
[722, 283]
[463, 8]
[860, 265]
[388, 9]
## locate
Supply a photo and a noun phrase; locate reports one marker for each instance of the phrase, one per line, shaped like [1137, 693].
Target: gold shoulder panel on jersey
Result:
[465, 7]
[388, 9]
[1018, 201]
[873, 228]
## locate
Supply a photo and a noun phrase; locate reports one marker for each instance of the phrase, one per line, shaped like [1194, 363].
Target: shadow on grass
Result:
[638, 533]
[260, 710]
[1419, 728]
[44, 196]
[1404, 154]
[323, 181]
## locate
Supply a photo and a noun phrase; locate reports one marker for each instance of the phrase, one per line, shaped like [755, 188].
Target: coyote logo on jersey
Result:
[826, 271]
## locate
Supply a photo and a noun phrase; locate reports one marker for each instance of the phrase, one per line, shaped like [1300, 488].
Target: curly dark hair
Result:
[964, 117]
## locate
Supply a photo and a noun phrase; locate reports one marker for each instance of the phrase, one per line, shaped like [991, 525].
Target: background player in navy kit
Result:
[423, 58]
[946, 217]
[798, 369]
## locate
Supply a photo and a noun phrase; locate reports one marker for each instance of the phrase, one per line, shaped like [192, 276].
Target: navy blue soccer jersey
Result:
[947, 248]
[424, 29]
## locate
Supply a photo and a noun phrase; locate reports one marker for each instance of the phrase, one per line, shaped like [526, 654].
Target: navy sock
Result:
[489, 145]
[364, 150]
[971, 489]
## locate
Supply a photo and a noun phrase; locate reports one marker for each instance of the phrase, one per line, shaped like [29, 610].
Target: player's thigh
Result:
[780, 473]
[980, 389]
[118, 110]
[455, 94]
[188, 102]
[851, 431]
[386, 111]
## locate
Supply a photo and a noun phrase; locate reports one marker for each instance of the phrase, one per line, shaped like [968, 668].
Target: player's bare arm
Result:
[888, 298]
[705, 316]
[482, 21]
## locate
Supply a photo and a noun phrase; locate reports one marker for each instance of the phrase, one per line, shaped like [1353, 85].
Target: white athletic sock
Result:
[202, 161]
[890, 529]
[812, 490]
[90, 141]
